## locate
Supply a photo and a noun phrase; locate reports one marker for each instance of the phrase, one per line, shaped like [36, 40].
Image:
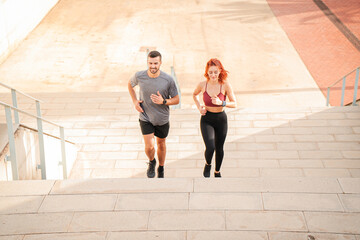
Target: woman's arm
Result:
[196, 93]
[229, 92]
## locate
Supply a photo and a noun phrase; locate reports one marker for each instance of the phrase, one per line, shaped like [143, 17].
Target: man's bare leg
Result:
[149, 146]
[161, 150]
[150, 153]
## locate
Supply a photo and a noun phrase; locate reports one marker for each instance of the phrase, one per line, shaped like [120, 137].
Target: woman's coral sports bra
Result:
[207, 98]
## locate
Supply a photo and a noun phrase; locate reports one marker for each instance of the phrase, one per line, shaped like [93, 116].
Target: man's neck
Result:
[151, 75]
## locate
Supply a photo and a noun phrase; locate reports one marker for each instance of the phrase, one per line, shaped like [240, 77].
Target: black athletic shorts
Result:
[159, 131]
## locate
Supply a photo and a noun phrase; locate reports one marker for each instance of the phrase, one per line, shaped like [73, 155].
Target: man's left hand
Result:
[158, 99]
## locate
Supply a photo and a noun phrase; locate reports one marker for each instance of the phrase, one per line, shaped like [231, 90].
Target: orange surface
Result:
[348, 12]
[324, 49]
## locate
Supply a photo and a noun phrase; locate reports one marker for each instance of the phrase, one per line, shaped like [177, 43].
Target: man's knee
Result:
[161, 145]
[149, 147]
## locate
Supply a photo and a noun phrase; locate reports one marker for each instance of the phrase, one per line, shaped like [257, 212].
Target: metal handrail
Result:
[24, 94]
[11, 137]
[29, 114]
[14, 101]
[343, 77]
[343, 87]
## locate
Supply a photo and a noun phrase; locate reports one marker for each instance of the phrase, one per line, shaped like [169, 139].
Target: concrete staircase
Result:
[287, 174]
[261, 142]
[181, 208]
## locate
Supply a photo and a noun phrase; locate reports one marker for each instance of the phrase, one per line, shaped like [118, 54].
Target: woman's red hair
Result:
[223, 73]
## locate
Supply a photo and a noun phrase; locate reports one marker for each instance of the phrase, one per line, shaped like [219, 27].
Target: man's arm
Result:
[134, 99]
[158, 99]
[173, 101]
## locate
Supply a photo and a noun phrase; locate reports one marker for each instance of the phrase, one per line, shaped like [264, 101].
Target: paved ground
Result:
[329, 44]
[73, 51]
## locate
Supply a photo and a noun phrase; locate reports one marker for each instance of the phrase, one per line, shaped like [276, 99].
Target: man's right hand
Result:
[137, 106]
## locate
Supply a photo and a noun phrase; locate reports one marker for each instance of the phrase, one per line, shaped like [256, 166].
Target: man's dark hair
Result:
[154, 54]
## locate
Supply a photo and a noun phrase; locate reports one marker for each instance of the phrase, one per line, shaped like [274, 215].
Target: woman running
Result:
[213, 121]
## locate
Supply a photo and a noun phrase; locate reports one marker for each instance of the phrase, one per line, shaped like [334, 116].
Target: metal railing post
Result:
[40, 120]
[343, 91]
[38, 109]
[14, 101]
[41, 141]
[328, 97]
[147, 54]
[356, 86]
[63, 154]
[173, 74]
[14, 167]
[344, 86]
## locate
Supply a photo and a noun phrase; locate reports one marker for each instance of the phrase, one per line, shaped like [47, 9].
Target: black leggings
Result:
[214, 129]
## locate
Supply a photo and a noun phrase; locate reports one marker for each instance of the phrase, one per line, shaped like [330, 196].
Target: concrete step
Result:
[181, 208]
[301, 141]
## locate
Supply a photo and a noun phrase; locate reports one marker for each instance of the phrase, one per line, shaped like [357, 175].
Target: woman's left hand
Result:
[216, 100]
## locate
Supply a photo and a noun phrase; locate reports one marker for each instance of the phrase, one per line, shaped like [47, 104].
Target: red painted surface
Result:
[324, 49]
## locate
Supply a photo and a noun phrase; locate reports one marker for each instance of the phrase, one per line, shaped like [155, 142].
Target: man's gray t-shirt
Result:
[156, 114]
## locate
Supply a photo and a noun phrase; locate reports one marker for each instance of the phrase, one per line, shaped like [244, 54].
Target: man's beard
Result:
[154, 70]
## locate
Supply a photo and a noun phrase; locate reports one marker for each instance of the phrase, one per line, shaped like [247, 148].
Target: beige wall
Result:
[17, 19]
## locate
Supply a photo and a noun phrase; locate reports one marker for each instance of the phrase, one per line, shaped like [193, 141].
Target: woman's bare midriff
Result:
[214, 109]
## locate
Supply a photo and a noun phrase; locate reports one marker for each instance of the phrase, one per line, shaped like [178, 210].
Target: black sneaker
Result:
[151, 169]
[207, 169]
[160, 172]
[217, 174]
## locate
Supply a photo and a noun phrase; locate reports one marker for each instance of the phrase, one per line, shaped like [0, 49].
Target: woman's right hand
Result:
[202, 110]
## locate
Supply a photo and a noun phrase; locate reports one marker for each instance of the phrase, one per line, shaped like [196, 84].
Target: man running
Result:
[157, 90]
